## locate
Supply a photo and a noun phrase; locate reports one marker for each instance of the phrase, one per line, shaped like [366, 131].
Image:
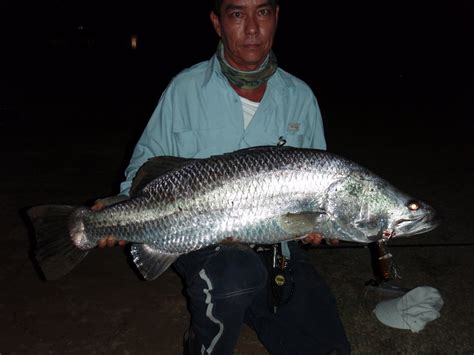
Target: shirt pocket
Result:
[269, 136]
[294, 139]
[295, 134]
[202, 143]
[186, 143]
[219, 140]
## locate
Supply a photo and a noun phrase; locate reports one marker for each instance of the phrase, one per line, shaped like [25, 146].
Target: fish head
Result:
[366, 208]
[410, 217]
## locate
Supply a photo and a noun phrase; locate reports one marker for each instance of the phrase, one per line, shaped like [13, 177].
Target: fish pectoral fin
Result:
[302, 223]
[151, 262]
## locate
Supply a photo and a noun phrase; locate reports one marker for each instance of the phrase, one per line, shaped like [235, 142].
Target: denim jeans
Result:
[226, 286]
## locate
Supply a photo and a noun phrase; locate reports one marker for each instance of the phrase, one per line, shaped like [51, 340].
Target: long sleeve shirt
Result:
[199, 115]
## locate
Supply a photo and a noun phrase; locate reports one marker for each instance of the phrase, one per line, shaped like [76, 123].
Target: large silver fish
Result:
[259, 195]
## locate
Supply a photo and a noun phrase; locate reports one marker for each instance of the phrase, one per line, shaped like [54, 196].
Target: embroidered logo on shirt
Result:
[294, 126]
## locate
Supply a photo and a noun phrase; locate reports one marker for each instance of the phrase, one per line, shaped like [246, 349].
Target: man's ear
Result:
[216, 23]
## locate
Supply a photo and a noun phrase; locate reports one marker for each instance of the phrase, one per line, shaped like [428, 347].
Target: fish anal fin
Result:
[151, 262]
[302, 223]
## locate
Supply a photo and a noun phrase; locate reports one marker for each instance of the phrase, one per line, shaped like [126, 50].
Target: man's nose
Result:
[252, 25]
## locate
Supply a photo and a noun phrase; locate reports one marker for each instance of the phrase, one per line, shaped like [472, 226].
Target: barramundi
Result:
[261, 195]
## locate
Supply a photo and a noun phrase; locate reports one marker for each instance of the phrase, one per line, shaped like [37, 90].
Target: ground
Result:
[72, 152]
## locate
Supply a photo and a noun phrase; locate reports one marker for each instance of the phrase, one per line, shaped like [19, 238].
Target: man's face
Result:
[247, 28]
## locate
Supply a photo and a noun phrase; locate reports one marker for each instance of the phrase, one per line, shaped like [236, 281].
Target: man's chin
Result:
[252, 62]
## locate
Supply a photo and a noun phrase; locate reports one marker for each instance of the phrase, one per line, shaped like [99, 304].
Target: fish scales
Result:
[256, 196]
[236, 196]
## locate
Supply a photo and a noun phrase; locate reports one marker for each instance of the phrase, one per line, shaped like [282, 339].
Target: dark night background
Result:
[372, 52]
[383, 72]
[394, 82]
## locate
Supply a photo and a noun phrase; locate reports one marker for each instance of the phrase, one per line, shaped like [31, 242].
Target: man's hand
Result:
[109, 241]
[316, 239]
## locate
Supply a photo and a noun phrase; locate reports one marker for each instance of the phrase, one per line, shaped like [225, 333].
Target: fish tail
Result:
[57, 249]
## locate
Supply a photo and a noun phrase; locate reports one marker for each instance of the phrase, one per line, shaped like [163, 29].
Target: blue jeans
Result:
[226, 286]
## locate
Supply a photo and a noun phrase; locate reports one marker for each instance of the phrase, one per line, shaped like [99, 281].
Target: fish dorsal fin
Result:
[259, 148]
[153, 168]
[151, 262]
[269, 148]
[302, 223]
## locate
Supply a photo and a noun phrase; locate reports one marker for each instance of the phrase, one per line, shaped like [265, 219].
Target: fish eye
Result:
[413, 205]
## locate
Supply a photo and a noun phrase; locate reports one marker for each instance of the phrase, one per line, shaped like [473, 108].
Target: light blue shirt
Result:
[199, 115]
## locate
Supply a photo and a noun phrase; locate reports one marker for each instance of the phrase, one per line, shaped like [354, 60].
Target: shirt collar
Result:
[213, 70]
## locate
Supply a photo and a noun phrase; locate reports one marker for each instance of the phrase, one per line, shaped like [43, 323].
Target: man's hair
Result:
[216, 5]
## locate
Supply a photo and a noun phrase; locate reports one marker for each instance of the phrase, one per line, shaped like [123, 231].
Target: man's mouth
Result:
[251, 45]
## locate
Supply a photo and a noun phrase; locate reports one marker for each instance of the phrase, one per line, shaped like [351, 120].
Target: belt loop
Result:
[285, 250]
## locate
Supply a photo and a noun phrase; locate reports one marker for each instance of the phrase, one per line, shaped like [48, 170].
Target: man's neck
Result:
[255, 95]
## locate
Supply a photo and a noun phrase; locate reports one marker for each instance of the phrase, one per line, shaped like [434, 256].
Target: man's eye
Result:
[264, 12]
[237, 14]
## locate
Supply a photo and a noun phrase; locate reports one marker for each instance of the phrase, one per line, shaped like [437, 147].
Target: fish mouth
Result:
[419, 225]
[402, 222]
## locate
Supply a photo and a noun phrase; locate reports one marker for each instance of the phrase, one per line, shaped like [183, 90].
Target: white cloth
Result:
[249, 108]
[411, 311]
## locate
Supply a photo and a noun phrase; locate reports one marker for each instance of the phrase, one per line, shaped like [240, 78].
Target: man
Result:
[238, 99]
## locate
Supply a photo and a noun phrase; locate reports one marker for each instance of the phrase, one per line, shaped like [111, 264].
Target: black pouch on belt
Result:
[281, 284]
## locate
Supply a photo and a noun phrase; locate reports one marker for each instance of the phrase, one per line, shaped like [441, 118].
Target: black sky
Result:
[353, 48]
